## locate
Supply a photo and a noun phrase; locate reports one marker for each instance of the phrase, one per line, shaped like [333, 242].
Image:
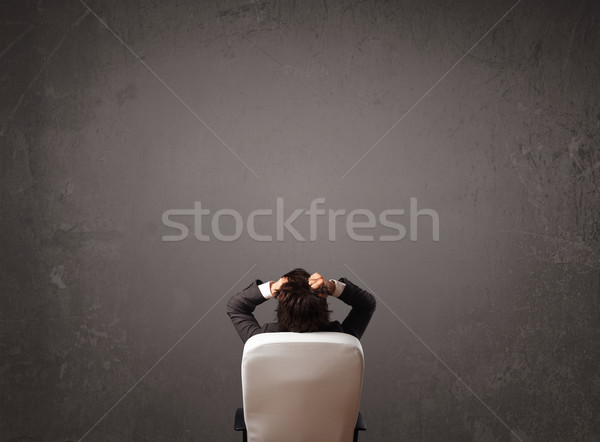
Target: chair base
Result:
[240, 424]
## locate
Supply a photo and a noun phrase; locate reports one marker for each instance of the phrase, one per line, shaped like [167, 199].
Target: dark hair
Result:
[300, 308]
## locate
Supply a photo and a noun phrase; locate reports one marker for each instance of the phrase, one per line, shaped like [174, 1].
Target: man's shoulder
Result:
[270, 327]
[335, 326]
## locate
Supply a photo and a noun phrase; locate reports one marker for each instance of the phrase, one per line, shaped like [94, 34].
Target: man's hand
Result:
[316, 281]
[277, 285]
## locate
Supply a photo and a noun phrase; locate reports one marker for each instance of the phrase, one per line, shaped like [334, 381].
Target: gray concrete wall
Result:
[489, 334]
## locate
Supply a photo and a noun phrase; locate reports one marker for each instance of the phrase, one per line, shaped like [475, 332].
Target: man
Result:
[302, 305]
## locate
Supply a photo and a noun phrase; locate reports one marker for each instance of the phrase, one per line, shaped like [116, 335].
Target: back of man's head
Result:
[300, 308]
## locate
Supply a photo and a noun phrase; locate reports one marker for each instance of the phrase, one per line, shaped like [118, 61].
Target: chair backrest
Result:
[301, 386]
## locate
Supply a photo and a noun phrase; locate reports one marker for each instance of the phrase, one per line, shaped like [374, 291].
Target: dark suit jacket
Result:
[241, 306]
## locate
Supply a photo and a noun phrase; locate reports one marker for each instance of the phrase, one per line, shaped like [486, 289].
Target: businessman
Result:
[302, 305]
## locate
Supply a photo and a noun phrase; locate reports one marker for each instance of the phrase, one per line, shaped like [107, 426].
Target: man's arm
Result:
[362, 302]
[363, 306]
[240, 308]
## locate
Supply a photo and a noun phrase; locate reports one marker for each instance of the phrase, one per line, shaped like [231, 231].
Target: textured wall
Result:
[489, 334]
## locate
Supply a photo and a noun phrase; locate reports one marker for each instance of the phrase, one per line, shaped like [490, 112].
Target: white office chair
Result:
[301, 387]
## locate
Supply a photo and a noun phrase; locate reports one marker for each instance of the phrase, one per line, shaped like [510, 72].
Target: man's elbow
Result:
[372, 303]
[231, 306]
